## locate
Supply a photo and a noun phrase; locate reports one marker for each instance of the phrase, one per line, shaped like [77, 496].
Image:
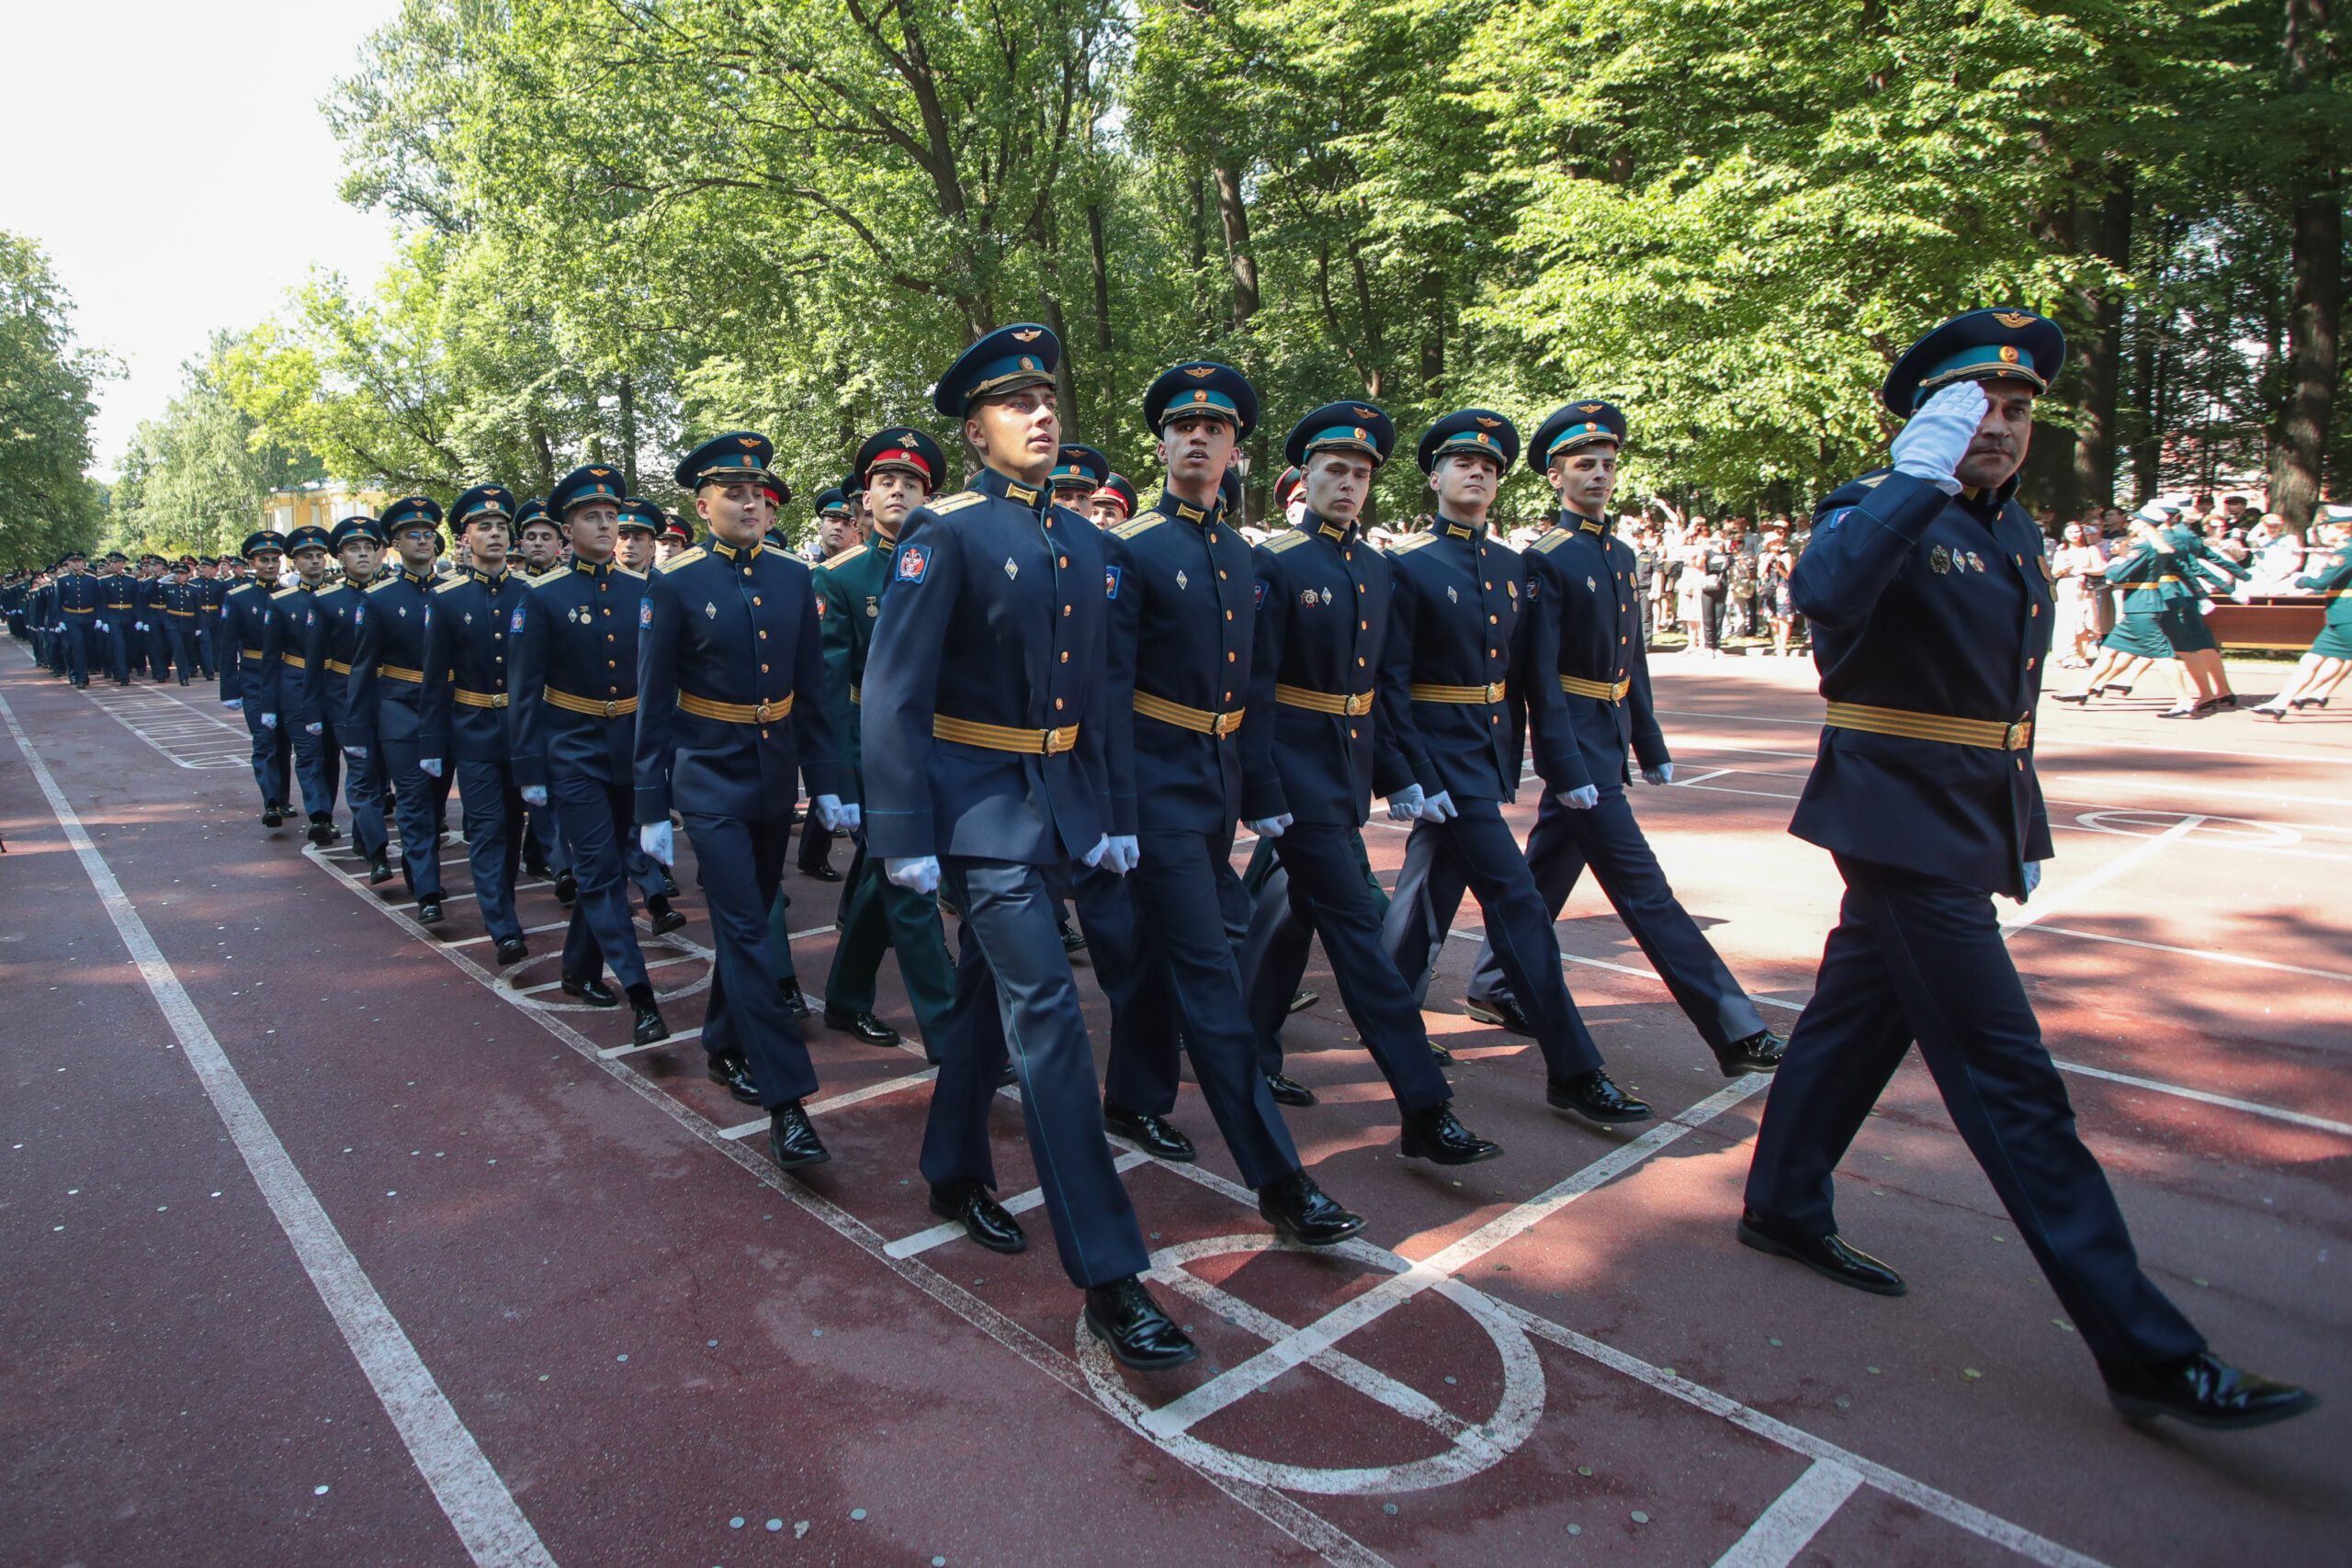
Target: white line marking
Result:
[676, 1037]
[2211, 954]
[1701, 778]
[841, 1101]
[1796, 1517]
[1019, 1204]
[2060, 894]
[2251, 1108]
[476, 1501]
[650, 965]
[527, 930]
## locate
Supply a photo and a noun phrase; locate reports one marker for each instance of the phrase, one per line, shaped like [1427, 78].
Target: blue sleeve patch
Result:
[914, 561]
[1111, 578]
[516, 624]
[1261, 594]
[645, 612]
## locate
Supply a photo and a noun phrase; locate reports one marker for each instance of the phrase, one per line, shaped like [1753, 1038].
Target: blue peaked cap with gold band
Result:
[831, 502]
[640, 515]
[908, 451]
[351, 528]
[2000, 345]
[410, 511]
[1481, 432]
[1361, 428]
[482, 501]
[1023, 354]
[740, 456]
[1078, 464]
[263, 539]
[533, 510]
[1573, 425]
[591, 481]
[1201, 387]
[309, 537]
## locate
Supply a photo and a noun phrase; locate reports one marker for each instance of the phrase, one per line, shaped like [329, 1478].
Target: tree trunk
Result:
[1433, 335]
[1102, 264]
[628, 436]
[2100, 349]
[1065, 374]
[2315, 290]
[1235, 216]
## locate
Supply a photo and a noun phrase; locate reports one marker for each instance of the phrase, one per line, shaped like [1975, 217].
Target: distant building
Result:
[321, 504]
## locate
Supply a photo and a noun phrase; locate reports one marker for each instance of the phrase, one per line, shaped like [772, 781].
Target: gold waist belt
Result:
[1199, 720]
[733, 713]
[1003, 737]
[179, 611]
[338, 666]
[1987, 734]
[1323, 702]
[250, 652]
[400, 672]
[1577, 686]
[594, 707]
[1423, 691]
[294, 661]
[479, 699]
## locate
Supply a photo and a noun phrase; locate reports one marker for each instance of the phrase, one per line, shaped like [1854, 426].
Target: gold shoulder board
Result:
[684, 557]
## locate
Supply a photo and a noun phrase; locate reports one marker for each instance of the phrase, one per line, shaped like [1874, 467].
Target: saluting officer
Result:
[1322, 615]
[732, 668]
[293, 608]
[1183, 597]
[1584, 590]
[895, 470]
[571, 657]
[249, 653]
[1464, 660]
[338, 615]
[386, 692]
[1931, 605]
[466, 706]
[985, 768]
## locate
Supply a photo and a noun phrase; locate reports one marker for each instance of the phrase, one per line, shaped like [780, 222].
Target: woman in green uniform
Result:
[2330, 656]
[2144, 573]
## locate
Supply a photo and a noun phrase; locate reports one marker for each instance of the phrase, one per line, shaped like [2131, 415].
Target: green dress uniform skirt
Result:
[2183, 626]
[2333, 642]
[2141, 636]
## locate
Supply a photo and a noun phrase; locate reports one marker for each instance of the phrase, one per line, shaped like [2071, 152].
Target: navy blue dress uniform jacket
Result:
[1182, 584]
[1462, 621]
[571, 656]
[1587, 592]
[993, 568]
[296, 610]
[388, 667]
[734, 630]
[1322, 620]
[1939, 606]
[466, 711]
[330, 646]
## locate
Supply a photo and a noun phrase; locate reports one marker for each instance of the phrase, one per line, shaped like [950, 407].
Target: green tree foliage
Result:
[47, 386]
[195, 480]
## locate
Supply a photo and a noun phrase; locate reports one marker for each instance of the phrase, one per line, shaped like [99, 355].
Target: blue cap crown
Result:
[1361, 428]
[1202, 388]
[1023, 354]
[592, 481]
[1574, 425]
[1999, 345]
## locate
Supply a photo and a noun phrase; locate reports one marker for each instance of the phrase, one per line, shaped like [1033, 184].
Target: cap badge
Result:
[1587, 408]
[747, 442]
[1200, 397]
[1200, 372]
[601, 473]
[2008, 355]
[1366, 413]
[2012, 320]
[1483, 438]
[1489, 423]
[1029, 335]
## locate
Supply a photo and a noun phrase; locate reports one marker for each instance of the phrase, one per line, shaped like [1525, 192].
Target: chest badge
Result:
[401, 610]
[1326, 596]
[1011, 569]
[1306, 597]
[1181, 580]
[1939, 560]
[872, 606]
[711, 611]
[1976, 561]
[1590, 586]
[469, 617]
[1452, 597]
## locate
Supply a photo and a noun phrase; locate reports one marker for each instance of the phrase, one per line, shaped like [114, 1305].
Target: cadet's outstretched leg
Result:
[739, 865]
[586, 808]
[412, 807]
[492, 809]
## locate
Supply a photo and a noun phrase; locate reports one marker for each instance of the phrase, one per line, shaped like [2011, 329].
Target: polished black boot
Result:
[380, 871]
[512, 949]
[1155, 1136]
[1826, 1254]
[2206, 1390]
[983, 1218]
[1759, 1053]
[791, 1140]
[663, 919]
[322, 831]
[1594, 1097]
[1504, 1013]
[733, 1073]
[428, 910]
[1301, 1211]
[592, 990]
[1132, 1328]
[271, 817]
[1288, 1090]
[864, 1025]
[1439, 1137]
[647, 1025]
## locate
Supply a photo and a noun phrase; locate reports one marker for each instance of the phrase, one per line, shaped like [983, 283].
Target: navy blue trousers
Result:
[593, 814]
[273, 753]
[118, 646]
[363, 792]
[318, 766]
[1608, 839]
[493, 848]
[414, 808]
[1013, 966]
[1276, 947]
[1321, 889]
[73, 647]
[1476, 851]
[1916, 958]
[739, 863]
[1191, 983]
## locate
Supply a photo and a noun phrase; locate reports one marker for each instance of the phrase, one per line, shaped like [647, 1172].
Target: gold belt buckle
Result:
[760, 712]
[2018, 736]
[612, 705]
[1053, 743]
[1224, 725]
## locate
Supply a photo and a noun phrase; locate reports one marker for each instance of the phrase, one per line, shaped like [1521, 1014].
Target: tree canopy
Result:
[48, 399]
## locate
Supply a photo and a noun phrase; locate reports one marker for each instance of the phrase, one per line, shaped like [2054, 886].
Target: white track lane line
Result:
[1789, 1526]
[650, 965]
[1019, 1204]
[841, 1101]
[479, 1507]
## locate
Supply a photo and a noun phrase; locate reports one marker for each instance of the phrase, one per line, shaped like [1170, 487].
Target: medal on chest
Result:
[1181, 580]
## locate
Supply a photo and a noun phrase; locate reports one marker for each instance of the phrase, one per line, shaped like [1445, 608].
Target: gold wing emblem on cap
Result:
[1489, 423]
[747, 442]
[905, 438]
[1367, 413]
[1589, 408]
[2012, 320]
[1197, 371]
[1032, 335]
[602, 473]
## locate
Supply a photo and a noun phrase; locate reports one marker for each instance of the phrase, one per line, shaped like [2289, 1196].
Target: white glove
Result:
[654, 839]
[234, 705]
[1931, 446]
[534, 796]
[1582, 798]
[829, 811]
[852, 815]
[1093, 857]
[100, 624]
[1661, 774]
[1404, 805]
[429, 766]
[1439, 808]
[1124, 854]
[314, 727]
[269, 721]
[1271, 827]
[358, 751]
[917, 873]
[2033, 877]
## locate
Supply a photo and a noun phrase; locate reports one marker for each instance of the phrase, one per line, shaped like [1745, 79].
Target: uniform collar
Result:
[1322, 528]
[726, 551]
[1171, 504]
[422, 579]
[492, 578]
[592, 569]
[1004, 486]
[1445, 527]
[1577, 521]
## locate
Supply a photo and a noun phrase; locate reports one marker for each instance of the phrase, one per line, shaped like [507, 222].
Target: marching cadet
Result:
[386, 692]
[1930, 603]
[179, 606]
[1112, 503]
[118, 609]
[840, 528]
[1322, 611]
[161, 577]
[212, 585]
[732, 668]
[338, 614]
[1183, 585]
[572, 681]
[293, 609]
[539, 544]
[1078, 472]
[1582, 578]
[250, 655]
[985, 766]
[896, 471]
[640, 526]
[1464, 661]
[79, 602]
[466, 707]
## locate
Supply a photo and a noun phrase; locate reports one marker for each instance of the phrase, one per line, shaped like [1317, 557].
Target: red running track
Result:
[327, 1240]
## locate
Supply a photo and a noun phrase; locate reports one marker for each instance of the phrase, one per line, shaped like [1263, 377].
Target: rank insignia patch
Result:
[645, 612]
[1111, 581]
[913, 561]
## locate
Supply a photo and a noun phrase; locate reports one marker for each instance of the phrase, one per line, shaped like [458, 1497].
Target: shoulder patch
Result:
[1138, 526]
[1871, 482]
[1112, 577]
[684, 558]
[834, 562]
[914, 562]
[558, 575]
[957, 503]
[331, 592]
[452, 582]
[1289, 540]
[240, 588]
[380, 587]
[1417, 542]
[284, 591]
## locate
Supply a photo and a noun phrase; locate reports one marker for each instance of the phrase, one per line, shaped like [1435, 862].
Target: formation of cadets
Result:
[1036, 692]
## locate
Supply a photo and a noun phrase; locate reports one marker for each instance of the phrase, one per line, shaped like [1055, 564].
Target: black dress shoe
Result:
[1505, 1013]
[1826, 1254]
[1304, 1212]
[663, 919]
[1132, 1328]
[864, 1025]
[1594, 1097]
[1288, 1090]
[1301, 1000]
[646, 1026]
[1759, 1053]
[378, 870]
[2206, 1390]
[593, 991]
[322, 831]
[1154, 1134]
[1438, 1138]
[512, 949]
[982, 1217]
[1071, 941]
[822, 872]
[271, 817]
[428, 911]
[791, 1140]
[567, 887]
[733, 1073]
[794, 1002]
